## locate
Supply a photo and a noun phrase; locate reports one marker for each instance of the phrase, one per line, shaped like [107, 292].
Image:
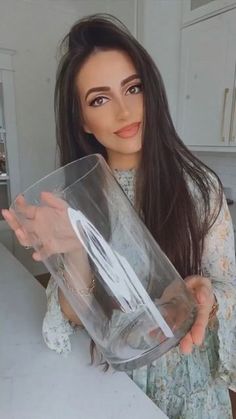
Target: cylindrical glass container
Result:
[128, 295]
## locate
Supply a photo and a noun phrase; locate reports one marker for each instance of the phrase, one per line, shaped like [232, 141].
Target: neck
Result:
[123, 161]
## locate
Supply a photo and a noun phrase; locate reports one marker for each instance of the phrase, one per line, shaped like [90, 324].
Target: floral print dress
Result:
[191, 386]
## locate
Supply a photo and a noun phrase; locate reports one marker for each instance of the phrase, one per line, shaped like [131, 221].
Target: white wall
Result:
[161, 37]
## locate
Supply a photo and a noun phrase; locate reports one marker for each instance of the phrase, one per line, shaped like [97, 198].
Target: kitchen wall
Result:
[160, 35]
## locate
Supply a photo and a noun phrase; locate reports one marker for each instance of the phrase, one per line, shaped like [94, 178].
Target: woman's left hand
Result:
[202, 291]
[46, 227]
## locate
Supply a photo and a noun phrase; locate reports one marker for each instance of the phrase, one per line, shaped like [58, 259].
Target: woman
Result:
[110, 99]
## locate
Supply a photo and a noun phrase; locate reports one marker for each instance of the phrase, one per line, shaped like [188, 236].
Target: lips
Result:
[128, 131]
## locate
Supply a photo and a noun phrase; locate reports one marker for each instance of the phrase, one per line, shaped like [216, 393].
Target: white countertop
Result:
[36, 383]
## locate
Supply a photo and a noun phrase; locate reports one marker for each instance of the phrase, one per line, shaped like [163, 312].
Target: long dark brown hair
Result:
[167, 167]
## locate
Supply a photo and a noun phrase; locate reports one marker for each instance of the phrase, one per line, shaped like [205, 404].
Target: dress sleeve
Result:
[56, 328]
[219, 264]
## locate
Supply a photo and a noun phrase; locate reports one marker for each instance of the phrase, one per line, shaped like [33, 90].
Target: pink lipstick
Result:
[128, 131]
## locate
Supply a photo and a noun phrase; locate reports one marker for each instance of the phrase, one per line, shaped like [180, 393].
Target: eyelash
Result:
[92, 103]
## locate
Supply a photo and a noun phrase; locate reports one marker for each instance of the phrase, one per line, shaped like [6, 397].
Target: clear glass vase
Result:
[123, 288]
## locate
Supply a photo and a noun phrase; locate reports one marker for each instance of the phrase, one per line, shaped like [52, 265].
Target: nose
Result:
[122, 110]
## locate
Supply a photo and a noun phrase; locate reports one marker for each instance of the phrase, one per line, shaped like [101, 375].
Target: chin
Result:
[132, 148]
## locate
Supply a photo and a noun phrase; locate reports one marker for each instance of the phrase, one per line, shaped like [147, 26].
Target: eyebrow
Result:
[107, 88]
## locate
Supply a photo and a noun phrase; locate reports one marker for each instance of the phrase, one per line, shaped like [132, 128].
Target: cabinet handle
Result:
[226, 91]
[232, 133]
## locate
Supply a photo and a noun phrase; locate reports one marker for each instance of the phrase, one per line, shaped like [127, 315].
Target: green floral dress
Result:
[191, 386]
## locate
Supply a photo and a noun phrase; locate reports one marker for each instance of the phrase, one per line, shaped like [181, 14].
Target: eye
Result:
[133, 90]
[98, 101]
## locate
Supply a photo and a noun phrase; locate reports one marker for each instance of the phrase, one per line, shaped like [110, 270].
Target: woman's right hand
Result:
[46, 227]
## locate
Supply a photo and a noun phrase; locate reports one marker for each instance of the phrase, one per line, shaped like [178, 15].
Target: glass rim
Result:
[98, 157]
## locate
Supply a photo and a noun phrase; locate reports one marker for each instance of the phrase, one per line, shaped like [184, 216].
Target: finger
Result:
[200, 324]
[202, 292]
[10, 219]
[37, 257]
[22, 237]
[30, 226]
[196, 281]
[186, 344]
[51, 200]
[204, 295]
[41, 253]
[20, 201]
[16, 227]
[28, 211]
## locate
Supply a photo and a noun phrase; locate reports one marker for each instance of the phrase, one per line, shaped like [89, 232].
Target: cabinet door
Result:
[231, 24]
[206, 81]
[198, 9]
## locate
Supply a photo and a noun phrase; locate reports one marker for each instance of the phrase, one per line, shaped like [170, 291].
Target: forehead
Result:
[104, 68]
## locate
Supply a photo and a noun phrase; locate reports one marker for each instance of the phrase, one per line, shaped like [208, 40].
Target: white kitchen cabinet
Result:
[194, 10]
[206, 113]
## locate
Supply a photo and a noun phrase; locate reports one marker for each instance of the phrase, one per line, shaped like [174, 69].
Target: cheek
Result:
[99, 121]
[135, 103]
[97, 126]
[140, 104]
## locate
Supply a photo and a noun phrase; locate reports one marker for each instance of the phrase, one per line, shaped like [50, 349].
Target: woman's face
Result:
[110, 92]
